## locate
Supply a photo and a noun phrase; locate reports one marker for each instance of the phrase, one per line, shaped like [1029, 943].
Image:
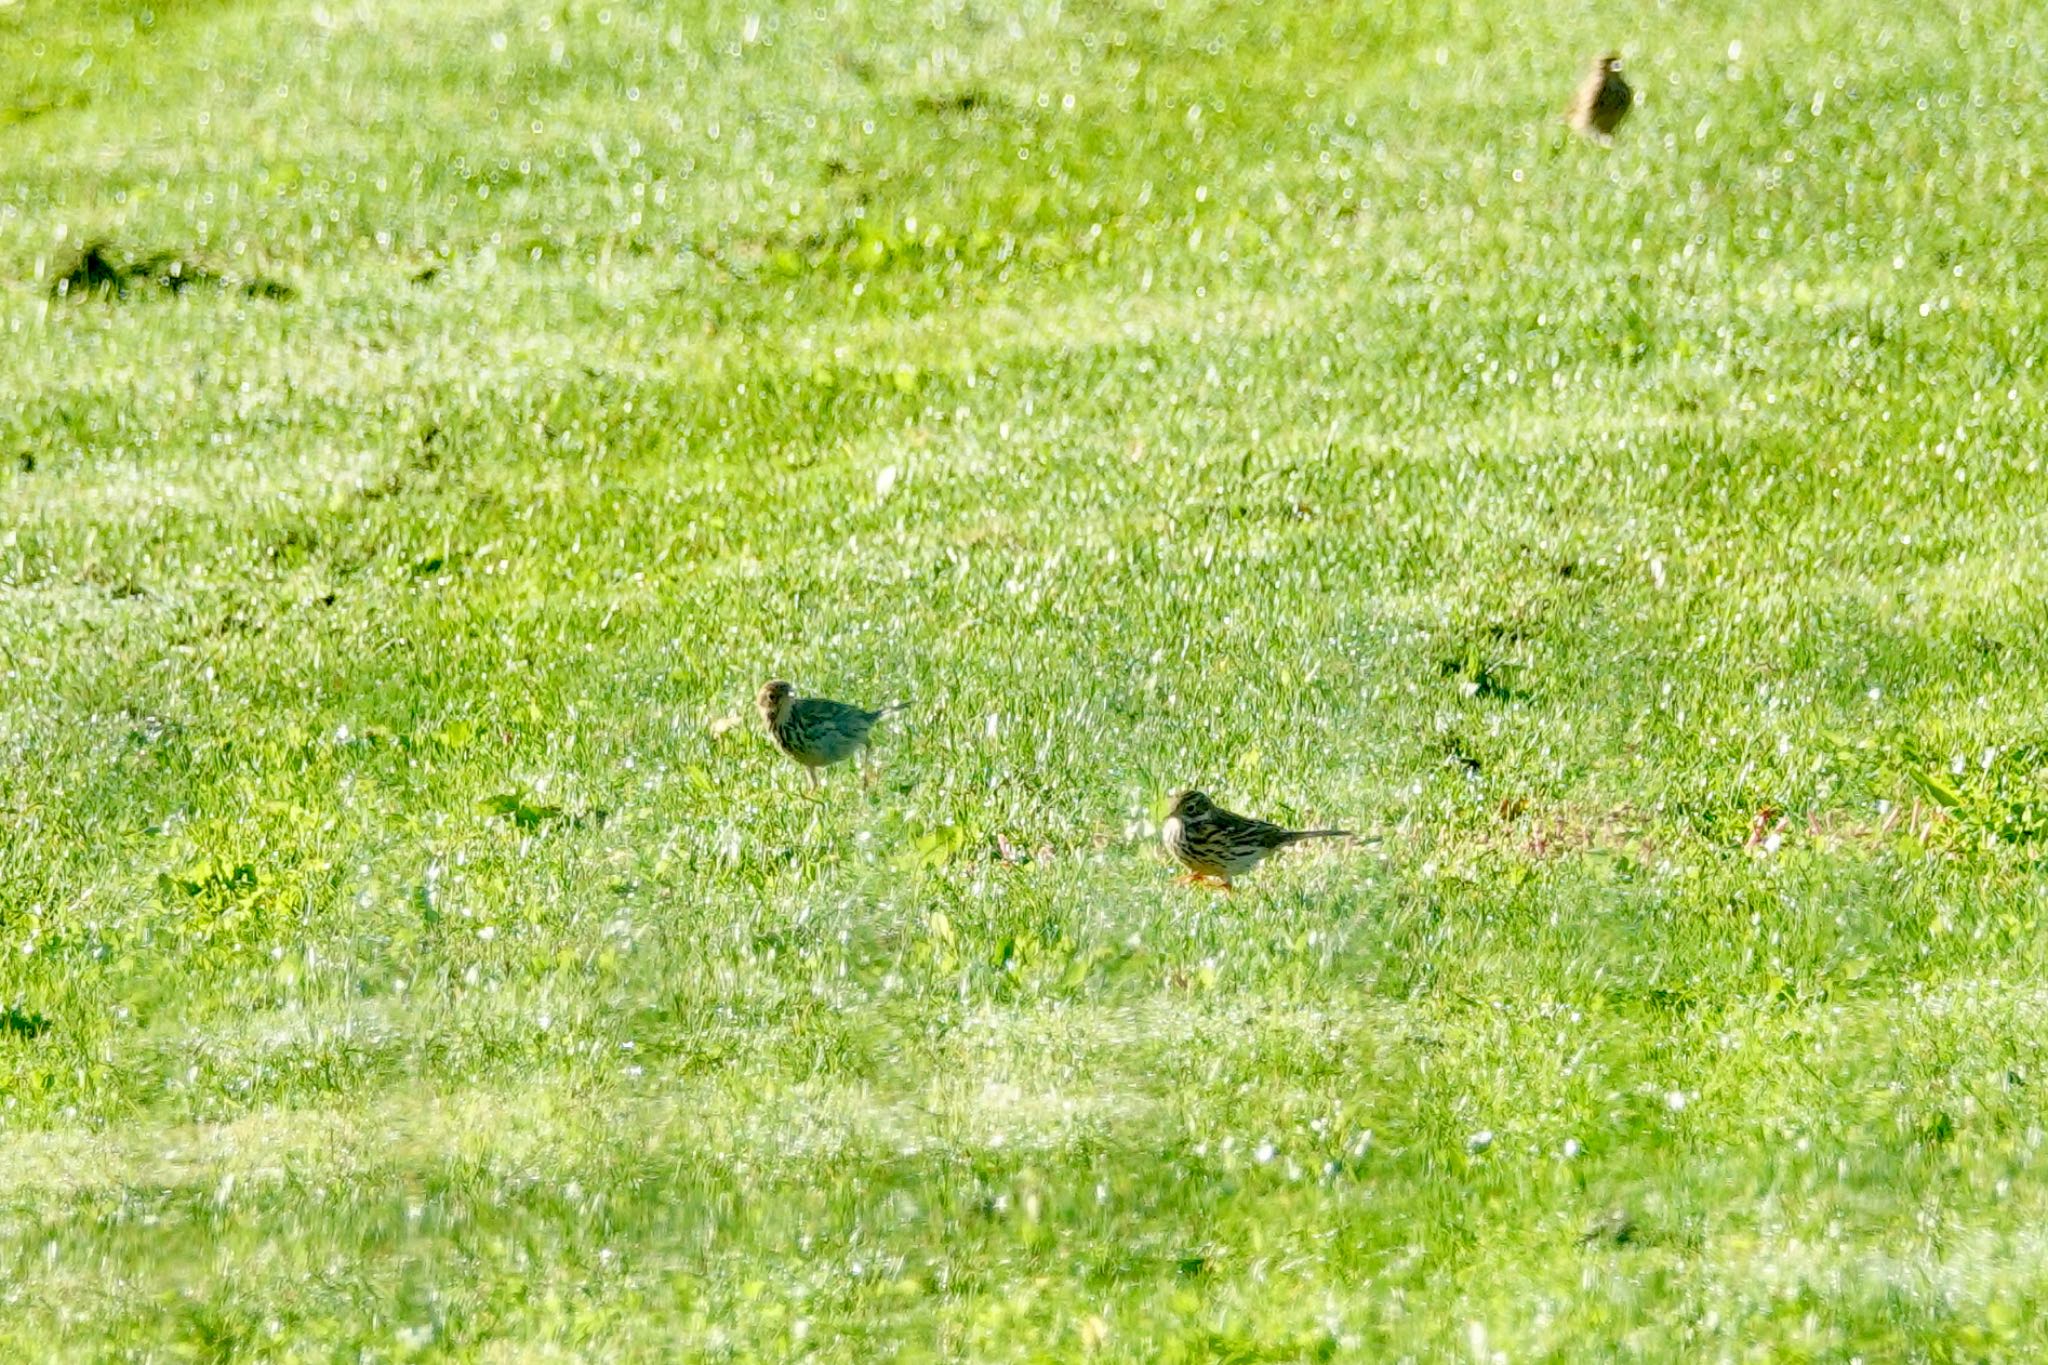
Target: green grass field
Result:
[411, 947]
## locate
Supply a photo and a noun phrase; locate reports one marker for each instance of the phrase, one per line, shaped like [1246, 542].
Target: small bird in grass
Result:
[1215, 845]
[815, 732]
[1603, 101]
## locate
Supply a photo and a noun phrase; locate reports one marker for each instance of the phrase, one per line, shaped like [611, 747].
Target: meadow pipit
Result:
[1603, 100]
[815, 732]
[1215, 845]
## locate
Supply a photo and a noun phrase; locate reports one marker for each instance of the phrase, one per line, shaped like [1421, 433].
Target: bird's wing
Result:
[1261, 833]
[834, 725]
[820, 715]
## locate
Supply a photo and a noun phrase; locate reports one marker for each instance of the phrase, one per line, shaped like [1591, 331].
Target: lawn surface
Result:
[411, 948]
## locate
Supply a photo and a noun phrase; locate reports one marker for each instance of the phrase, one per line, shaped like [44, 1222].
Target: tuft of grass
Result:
[413, 949]
[98, 272]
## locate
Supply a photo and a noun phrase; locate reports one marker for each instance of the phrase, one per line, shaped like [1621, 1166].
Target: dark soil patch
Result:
[22, 1023]
[97, 272]
[963, 101]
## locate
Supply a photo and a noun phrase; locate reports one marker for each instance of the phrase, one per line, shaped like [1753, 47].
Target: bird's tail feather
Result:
[892, 706]
[1296, 836]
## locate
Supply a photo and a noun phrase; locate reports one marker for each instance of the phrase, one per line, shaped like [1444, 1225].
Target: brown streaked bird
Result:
[1214, 845]
[1604, 99]
[815, 732]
